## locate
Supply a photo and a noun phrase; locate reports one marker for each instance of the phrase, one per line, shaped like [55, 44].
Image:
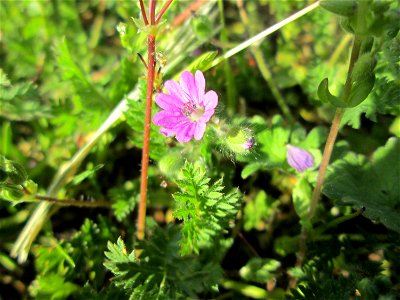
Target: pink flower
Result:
[299, 158]
[186, 107]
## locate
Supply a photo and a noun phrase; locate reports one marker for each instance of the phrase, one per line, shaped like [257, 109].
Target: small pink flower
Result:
[187, 108]
[299, 158]
[249, 143]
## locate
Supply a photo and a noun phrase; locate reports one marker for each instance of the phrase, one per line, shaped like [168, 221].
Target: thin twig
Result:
[152, 12]
[142, 60]
[144, 16]
[247, 243]
[162, 11]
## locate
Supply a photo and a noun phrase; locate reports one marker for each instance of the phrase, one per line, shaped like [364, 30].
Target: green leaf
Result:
[204, 217]
[371, 184]
[53, 287]
[86, 248]
[325, 95]
[259, 269]
[203, 62]
[11, 192]
[4, 81]
[89, 94]
[360, 90]
[251, 168]
[161, 273]
[346, 8]
[273, 143]
[258, 211]
[123, 199]
[88, 173]
[302, 193]
[22, 102]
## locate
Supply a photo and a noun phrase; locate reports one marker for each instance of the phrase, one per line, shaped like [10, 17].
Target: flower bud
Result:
[239, 140]
[299, 159]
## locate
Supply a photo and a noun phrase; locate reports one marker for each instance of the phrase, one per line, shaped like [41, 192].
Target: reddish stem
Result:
[162, 11]
[146, 139]
[152, 11]
[146, 22]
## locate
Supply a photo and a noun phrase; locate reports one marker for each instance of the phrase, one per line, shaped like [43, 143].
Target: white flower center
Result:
[191, 110]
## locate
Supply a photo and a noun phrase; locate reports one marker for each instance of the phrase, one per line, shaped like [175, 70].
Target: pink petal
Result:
[175, 90]
[168, 102]
[167, 118]
[167, 132]
[299, 158]
[200, 85]
[206, 116]
[185, 133]
[188, 85]
[210, 100]
[199, 132]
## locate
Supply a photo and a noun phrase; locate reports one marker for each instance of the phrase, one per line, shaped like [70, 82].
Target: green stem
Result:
[97, 25]
[320, 230]
[330, 142]
[262, 65]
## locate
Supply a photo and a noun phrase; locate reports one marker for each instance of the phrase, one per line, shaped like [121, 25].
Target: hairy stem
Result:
[151, 46]
[330, 142]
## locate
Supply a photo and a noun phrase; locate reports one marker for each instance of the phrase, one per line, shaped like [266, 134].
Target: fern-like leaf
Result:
[204, 209]
[160, 272]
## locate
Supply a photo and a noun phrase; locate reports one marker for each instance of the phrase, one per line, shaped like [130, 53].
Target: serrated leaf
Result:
[205, 210]
[160, 270]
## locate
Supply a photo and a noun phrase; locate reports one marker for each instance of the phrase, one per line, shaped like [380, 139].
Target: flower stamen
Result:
[188, 108]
